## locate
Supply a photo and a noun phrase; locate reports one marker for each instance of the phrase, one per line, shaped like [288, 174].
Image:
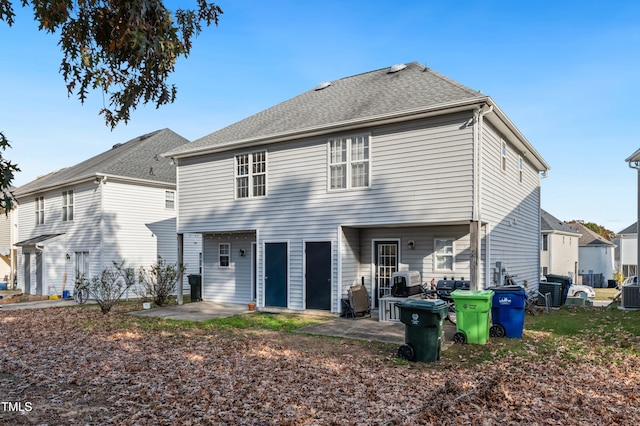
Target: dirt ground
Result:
[63, 366]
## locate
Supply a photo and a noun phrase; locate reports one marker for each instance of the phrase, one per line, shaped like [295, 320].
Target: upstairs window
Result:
[39, 209]
[520, 168]
[251, 175]
[545, 242]
[169, 200]
[349, 162]
[67, 206]
[503, 157]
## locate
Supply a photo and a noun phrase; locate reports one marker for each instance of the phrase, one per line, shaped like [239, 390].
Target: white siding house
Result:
[559, 247]
[393, 169]
[596, 257]
[628, 250]
[8, 252]
[117, 206]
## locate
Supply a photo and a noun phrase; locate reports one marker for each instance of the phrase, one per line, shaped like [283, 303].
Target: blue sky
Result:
[565, 72]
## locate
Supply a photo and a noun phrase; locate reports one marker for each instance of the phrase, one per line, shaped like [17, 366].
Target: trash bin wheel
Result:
[407, 352]
[497, 331]
[459, 337]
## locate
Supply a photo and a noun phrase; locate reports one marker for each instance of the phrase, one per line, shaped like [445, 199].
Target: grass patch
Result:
[262, 320]
[605, 294]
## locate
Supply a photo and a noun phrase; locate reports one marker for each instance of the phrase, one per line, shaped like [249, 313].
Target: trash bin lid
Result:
[507, 289]
[434, 305]
[472, 294]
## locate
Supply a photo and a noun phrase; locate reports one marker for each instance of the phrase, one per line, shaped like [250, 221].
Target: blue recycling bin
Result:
[507, 311]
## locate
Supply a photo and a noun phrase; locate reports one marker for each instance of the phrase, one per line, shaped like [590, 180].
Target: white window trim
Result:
[65, 195]
[39, 212]
[436, 255]
[166, 199]
[504, 153]
[220, 265]
[348, 163]
[520, 169]
[250, 175]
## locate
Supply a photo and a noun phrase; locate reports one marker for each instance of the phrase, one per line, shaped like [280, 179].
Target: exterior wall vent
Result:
[396, 68]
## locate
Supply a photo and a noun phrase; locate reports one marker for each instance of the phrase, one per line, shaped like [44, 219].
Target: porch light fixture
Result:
[241, 252]
[411, 244]
[68, 256]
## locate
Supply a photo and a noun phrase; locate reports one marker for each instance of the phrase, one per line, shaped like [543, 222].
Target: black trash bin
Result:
[423, 324]
[195, 282]
[565, 282]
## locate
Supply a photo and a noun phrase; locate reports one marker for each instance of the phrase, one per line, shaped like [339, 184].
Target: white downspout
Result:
[636, 165]
[476, 214]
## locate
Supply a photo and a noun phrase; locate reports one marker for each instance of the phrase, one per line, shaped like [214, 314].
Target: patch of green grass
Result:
[260, 320]
[605, 294]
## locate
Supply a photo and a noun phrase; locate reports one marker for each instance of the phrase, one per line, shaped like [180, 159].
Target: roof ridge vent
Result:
[396, 68]
[322, 85]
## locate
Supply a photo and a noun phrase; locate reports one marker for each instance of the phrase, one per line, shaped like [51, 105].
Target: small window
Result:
[444, 255]
[503, 156]
[225, 254]
[349, 162]
[545, 242]
[39, 210]
[520, 168]
[170, 200]
[67, 206]
[251, 175]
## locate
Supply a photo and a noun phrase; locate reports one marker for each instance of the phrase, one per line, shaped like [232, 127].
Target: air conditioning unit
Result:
[631, 296]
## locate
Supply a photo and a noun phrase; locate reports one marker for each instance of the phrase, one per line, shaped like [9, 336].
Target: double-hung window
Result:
[67, 206]
[443, 254]
[39, 210]
[251, 175]
[349, 162]
[520, 168]
[225, 254]
[169, 200]
[503, 157]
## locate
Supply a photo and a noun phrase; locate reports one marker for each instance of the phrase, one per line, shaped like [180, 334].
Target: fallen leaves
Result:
[77, 366]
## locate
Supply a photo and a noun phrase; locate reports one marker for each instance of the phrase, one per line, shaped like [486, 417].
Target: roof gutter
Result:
[358, 123]
[97, 177]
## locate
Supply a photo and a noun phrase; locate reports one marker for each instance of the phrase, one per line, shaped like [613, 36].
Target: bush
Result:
[109, 287]
[160, 281]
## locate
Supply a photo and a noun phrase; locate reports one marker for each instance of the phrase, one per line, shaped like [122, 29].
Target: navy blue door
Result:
[275, 274]
[318, 275]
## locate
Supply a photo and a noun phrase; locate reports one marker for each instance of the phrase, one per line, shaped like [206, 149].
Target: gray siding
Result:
[421, 172]
[230, 284]
[511, 208]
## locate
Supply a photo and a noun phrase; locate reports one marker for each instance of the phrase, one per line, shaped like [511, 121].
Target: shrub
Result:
[160, 281]
[109, 287]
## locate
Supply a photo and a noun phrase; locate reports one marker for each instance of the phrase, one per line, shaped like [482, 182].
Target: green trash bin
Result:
[423, 328]
[473, 315]
[195, 282]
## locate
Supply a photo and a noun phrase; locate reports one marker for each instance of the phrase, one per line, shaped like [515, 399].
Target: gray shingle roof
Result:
[631, 229]
[589, 238]
[549, 223]
[138, 158]
[359, 97]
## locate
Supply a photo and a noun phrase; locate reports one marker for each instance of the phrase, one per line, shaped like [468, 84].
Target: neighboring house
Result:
[117, 206]
[628, 250]
[8, 253]
[558, 247]
[634, 162]
[596, 257]
[399, 168]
